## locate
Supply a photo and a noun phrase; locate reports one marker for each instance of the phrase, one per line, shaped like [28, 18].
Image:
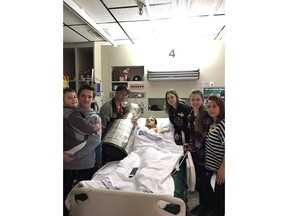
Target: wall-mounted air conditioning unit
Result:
[173, 75]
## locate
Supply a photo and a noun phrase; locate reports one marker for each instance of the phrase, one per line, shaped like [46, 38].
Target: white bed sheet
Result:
[166, 144]
[153, 154]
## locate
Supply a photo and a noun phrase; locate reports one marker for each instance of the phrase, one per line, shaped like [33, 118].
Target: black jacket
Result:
[179, 119]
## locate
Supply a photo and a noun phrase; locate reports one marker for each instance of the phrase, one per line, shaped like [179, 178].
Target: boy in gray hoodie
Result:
[75, 126]
[81, 166]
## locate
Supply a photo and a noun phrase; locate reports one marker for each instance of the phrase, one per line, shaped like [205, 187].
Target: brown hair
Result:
[155, 120]
[68, 90]
[220, 102]
[178, 100]
[86, 87]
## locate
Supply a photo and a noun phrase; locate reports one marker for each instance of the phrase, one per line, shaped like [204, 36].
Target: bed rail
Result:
[101, 202]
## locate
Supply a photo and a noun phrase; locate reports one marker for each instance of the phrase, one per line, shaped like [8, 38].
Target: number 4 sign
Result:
[172, 53]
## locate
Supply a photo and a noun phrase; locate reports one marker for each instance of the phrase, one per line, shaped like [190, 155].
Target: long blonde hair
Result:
[200, 114]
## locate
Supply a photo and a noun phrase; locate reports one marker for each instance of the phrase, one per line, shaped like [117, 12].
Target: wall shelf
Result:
[156, 104]
[135, 75]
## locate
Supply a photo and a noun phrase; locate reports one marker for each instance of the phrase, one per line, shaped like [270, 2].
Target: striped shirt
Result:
[215, 146]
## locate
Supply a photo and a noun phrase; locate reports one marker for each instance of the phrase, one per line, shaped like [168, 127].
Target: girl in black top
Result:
[177, 111]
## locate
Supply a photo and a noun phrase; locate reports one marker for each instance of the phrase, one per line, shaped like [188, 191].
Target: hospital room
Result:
[148, 56]
[149, 59]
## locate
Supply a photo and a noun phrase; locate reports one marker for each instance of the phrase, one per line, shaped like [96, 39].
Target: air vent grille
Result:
[173, 75]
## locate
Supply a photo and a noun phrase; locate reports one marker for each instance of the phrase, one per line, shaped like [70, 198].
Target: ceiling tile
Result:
[160, 22]
[69, 36]
[69, 17]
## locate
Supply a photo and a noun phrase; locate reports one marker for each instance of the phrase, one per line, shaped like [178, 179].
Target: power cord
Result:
[180, 163]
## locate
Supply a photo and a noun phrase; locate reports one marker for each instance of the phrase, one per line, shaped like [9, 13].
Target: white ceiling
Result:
[119, 22]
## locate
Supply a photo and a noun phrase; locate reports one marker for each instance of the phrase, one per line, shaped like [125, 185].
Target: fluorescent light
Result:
[181, 7]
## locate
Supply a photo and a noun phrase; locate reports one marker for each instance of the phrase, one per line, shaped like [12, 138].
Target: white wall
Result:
[209, 56]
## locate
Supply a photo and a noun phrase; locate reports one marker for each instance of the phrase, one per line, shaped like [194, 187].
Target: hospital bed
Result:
[151, 191]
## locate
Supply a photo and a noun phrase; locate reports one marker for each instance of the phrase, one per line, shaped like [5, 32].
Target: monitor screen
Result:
[220, 91]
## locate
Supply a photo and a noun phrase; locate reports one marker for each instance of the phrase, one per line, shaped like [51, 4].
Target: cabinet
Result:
[82, 63]
[78, 64]
[130, 76]
[69, 65]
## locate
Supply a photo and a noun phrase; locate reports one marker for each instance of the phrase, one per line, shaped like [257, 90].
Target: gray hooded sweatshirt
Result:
[85, 158]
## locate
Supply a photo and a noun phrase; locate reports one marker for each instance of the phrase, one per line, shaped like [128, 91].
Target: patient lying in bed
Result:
[151, 123]
[154, 156]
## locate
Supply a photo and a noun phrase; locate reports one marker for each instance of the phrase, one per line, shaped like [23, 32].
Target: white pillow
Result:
[161, 122]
